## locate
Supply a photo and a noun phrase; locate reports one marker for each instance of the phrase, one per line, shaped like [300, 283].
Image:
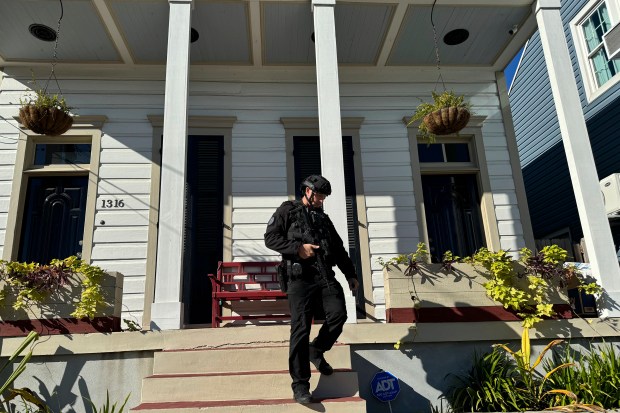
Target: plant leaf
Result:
[525, 346]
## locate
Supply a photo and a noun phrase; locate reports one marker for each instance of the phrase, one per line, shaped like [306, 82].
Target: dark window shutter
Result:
[307, 153]
[204, 213]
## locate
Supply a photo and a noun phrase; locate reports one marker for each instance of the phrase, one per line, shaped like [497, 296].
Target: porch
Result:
[70, 367]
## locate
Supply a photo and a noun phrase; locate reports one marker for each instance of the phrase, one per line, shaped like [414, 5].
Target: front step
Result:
[243, 386]
[341, 405]
[245, 359]
[228, 376]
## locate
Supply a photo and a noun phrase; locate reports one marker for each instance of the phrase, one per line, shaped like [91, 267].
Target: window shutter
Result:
[204, 212]
[307, 153]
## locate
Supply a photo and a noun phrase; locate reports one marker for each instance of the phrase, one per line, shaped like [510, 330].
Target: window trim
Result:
[196, 125]
[350, 127]
[85, 129]
[472, 134]
[588, 77]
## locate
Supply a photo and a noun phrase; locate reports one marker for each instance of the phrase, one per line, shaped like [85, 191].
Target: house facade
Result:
[187, 139]
[545, 169]
[254, 113]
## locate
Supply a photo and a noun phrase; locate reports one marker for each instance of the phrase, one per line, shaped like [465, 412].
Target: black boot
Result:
[316, 358]
[301, 394]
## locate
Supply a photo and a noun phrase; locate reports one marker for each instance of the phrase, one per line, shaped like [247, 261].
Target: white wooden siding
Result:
[258, 156]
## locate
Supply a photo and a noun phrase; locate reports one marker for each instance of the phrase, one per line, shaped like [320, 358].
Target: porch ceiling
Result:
[370, 33]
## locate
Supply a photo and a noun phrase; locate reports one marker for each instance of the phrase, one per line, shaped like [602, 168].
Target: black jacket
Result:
[277, 239]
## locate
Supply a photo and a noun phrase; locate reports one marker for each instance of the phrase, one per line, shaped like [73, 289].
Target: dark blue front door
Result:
[452, 206]
[53, 222]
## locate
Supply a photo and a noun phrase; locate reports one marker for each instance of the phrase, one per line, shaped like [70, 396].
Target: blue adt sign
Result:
[385, 386]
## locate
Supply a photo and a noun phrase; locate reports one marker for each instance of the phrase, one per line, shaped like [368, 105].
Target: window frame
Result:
[196, 125]
[350, 127]
[85, 129]
[588, 76]
[471, 134]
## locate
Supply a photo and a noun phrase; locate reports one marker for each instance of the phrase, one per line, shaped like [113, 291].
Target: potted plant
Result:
[45, 113]
[59, 295]
[447, 114]
[530, 289]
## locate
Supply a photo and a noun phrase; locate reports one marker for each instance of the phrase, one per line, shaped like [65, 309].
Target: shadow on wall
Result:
[366, 359]
[424, 367]
[61, 380]
[423, 371]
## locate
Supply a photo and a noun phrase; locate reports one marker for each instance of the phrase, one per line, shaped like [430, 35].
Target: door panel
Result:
[453, 220]
[53, 222]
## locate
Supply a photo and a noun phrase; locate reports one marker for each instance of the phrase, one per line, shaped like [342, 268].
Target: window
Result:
[588, 30]
[444, 152]
[452, 190]
[64, 153]
[52, 208]
[303, 147]
[451, 200]
[208, 236]
[593, 29]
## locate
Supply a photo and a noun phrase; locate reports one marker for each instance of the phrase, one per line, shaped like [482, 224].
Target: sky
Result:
[510, 70]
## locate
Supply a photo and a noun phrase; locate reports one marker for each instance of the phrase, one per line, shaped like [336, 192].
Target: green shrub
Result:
[486, 387]
[497, 382]
[594, 377]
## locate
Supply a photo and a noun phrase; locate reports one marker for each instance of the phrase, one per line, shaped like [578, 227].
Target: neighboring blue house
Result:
[545, 171]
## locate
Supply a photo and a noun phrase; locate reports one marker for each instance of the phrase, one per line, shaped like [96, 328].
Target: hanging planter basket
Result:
[45, 120]
[446, 121]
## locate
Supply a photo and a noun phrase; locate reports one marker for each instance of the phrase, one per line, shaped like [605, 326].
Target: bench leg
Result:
[215, 312]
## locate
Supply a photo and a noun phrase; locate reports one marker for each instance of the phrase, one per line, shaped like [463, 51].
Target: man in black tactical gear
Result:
[310, 247]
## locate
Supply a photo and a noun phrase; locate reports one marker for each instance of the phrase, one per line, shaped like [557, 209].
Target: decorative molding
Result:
[157, 121]
[475, 121]
[313, 123]
[79, 122]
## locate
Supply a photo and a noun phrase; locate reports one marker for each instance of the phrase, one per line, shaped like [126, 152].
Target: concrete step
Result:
[249, 336]
[341, 405]
[230, 360]
[266, 385]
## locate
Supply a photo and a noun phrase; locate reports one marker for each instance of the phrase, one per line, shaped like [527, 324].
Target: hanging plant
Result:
[45, 114]
[447, 114]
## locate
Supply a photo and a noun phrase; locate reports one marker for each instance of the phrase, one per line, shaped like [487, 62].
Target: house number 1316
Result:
[112, 203]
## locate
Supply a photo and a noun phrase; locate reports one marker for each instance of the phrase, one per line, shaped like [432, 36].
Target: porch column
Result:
[330, 130]
[167, 309]
[597, 232]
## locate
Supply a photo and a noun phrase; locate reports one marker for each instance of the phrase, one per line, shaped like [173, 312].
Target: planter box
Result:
[53, 316]
[448, 297]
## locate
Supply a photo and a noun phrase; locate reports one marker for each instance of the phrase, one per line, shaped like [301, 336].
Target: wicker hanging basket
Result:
[45, 120]
[446, 121]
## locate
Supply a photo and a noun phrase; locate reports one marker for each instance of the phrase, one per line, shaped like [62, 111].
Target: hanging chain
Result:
[440, 77]
[55, 56]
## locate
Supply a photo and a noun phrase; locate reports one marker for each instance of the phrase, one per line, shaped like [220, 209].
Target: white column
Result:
[167, 309]
[330, 129]
[597, 233]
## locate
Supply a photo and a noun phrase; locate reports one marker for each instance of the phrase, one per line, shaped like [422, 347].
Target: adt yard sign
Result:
[385, 386]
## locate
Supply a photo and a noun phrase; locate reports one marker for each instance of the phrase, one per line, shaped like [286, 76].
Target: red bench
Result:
[249, 285]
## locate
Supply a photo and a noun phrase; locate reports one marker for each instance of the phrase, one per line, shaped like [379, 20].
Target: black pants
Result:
[303, 295]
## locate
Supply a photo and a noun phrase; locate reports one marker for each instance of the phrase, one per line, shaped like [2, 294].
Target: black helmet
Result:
[318, 184]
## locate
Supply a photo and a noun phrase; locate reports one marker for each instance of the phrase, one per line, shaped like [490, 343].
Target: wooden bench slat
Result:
[248, 282]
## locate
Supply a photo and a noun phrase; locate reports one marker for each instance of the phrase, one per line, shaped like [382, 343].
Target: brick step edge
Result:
[235, 347]
[224, 403]
[233, 373]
